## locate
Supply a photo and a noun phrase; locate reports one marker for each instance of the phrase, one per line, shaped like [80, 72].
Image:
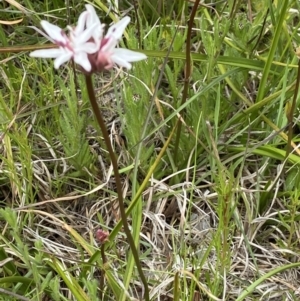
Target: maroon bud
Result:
[102, 236]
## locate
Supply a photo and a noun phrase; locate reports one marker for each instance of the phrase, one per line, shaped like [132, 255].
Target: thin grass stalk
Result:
[12, 294]
[290, 113]
[250, 289]
[18, 49]
[138, 25]
[235, 6]
[260, 35]
[187, 74]
[114, 162]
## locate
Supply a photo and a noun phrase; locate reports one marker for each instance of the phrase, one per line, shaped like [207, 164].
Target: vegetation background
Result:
[214, 213]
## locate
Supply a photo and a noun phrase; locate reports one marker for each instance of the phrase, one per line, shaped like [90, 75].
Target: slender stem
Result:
[101, 283]
[187, 75]
[90, 88]
[136, 9]
[260, 33]
[290, 113]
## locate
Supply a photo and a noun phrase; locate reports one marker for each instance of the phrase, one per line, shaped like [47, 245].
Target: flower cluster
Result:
[87, 45]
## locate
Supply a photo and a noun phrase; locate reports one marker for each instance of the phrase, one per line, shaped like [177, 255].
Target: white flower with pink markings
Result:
[86, 45]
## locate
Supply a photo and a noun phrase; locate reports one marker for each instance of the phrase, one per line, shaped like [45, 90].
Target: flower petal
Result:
[123, 57]
[47, 53]
[82, 60]
[128, 55]
[81, 23]
[86, 34]
[116, 30]
[93, 19]
[55, 33]
[119, 61]
[108, 44]
[88, 47]
[66, 56]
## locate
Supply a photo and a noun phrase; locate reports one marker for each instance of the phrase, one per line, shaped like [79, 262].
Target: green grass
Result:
[214, 211]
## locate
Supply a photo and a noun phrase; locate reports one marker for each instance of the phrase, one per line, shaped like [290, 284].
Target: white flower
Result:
[86, 44]
[77, 46]
[108, 54]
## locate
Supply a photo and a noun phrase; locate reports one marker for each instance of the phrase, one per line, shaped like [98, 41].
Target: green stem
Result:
[97, 113]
